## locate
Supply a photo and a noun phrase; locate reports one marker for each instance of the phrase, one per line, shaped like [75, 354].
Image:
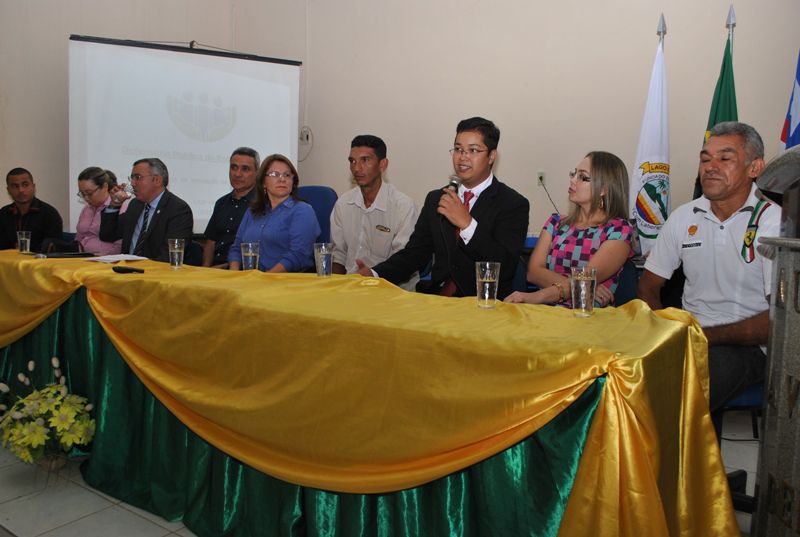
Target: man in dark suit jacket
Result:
[483, 220]
[152, 217]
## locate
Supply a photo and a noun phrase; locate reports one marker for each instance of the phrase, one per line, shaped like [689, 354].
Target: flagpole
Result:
[649, 180]
[730, 24]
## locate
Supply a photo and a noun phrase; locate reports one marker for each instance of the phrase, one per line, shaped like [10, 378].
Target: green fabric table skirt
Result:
[144, 456]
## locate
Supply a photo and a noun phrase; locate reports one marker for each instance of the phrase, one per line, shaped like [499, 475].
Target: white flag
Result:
[649, 195]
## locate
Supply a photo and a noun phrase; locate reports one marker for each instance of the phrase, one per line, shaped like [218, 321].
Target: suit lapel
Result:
[155, 216]
[485, 201]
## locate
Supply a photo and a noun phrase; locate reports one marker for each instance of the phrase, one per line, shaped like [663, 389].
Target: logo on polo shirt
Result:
[692, 229]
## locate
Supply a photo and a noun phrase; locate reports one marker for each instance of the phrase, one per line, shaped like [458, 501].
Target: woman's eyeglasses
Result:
[580, 175]
[84, 196]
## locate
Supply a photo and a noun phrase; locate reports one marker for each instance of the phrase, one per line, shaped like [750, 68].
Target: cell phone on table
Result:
[126, 270]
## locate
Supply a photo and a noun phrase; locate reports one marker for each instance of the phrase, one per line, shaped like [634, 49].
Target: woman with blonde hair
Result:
[595, 233]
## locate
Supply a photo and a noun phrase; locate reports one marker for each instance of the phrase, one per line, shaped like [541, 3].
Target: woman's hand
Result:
[517, 297]
[602, 295]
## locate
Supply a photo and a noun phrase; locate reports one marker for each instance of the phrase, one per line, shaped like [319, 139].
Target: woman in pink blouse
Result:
[594, 233]
[93, 186]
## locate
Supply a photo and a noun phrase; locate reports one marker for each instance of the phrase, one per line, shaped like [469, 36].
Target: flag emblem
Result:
[749, 236]
[652, 204]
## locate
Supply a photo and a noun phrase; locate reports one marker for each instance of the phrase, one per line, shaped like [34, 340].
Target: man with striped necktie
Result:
[153, 216]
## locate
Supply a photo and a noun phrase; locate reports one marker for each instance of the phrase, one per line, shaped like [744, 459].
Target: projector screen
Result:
[191, 108]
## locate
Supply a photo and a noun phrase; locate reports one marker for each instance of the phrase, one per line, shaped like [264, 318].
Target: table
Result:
[251, 403]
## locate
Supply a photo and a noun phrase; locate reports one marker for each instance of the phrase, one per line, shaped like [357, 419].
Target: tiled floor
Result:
[33, 503]
[740, 452]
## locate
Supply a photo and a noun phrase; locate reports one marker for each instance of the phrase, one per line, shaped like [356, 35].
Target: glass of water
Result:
[125, 191]
[323, 257]
[24, 241]
[487, 273]
[582, 285]
[250, 251]
[176, 252]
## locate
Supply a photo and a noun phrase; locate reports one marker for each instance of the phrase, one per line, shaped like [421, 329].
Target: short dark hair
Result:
[487, 129]
[157, 167]
[98, 176]
[753, 144]
[371, 141]
[18, 171]
[248, 152]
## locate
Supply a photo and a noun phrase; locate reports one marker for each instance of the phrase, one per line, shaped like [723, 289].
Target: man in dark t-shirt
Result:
[230, 208]
[27, 213]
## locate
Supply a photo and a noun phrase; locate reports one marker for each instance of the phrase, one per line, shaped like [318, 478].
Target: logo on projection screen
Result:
[200, 116]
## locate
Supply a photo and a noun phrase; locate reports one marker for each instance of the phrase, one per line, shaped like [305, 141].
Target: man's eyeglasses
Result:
[469, 151]
[580, 175]
[139, 177]
[285, 175]
[83, 196]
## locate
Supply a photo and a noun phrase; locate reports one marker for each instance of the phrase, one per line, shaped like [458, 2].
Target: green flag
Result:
[723, 106]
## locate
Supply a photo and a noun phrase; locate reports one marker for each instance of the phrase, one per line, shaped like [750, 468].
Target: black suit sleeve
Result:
[503, 239]
[419, 249]
[179, 224]
[110, 228]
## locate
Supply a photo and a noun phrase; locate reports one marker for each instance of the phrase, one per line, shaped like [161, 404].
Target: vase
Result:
[52, 462]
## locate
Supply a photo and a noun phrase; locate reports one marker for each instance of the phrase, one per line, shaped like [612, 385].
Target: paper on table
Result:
[117, 258]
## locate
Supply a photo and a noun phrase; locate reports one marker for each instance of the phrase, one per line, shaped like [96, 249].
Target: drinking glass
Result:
[24, 241]
[250, 251]
[176, 252]
[582, 285]
[487, 273]
[323, 257]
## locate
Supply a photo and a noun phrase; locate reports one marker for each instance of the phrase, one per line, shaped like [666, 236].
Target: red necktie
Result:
[449, 286]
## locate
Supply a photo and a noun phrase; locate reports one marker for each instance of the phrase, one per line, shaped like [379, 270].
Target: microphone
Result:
[453, 183]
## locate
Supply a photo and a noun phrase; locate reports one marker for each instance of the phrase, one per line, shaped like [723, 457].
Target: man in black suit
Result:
[483, 220]
[152, 217]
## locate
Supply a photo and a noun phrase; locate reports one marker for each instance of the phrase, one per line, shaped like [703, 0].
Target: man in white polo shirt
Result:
[373, 220]
[727, 280]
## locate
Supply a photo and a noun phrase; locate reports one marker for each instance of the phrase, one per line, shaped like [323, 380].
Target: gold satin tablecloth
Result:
[352, 384]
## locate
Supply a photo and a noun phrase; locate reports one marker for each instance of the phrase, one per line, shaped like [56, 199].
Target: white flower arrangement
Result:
[48, 421]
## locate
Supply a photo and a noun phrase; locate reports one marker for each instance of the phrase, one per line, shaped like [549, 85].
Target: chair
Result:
[322, 199]
[193, 255]
[751, 399]
[65, 244]
[626, 286]
[520, 281]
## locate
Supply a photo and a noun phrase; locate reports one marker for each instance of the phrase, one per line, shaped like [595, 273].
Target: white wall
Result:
[33, 62]
[559, 78]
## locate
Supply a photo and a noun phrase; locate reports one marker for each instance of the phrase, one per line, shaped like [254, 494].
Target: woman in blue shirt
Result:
[284, 226]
